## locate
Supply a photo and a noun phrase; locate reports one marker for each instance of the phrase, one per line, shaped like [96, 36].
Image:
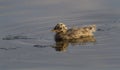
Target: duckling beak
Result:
[53, 30]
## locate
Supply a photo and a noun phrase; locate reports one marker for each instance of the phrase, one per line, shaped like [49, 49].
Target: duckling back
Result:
[82, 31]
[90, 28]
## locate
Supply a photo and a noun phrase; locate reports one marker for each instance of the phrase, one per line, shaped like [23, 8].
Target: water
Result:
[30, 46]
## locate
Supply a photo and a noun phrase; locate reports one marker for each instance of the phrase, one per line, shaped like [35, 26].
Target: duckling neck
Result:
[59, 36]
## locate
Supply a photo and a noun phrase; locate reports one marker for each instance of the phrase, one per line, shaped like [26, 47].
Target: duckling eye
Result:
[60, 28]
[90, 28]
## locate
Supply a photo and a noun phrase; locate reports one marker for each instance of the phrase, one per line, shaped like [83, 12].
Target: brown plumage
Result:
[63, 33]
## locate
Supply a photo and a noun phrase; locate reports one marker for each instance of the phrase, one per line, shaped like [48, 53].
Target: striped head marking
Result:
[60, 27]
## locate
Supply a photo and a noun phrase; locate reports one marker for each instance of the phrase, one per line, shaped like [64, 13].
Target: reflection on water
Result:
[61, 46]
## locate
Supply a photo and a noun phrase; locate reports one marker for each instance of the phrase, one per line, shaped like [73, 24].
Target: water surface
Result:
[31, 22]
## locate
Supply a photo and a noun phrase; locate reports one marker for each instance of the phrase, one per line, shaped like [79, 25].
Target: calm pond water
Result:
[27, 43]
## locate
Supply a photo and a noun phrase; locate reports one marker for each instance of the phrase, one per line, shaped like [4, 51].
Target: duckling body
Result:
[63, 33]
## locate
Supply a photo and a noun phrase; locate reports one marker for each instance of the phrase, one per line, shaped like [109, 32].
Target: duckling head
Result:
[60, 27]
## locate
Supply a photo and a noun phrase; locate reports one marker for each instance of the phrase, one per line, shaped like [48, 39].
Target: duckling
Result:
[63, 33]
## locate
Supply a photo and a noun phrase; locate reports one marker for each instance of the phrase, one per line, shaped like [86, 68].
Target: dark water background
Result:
[26, 37]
